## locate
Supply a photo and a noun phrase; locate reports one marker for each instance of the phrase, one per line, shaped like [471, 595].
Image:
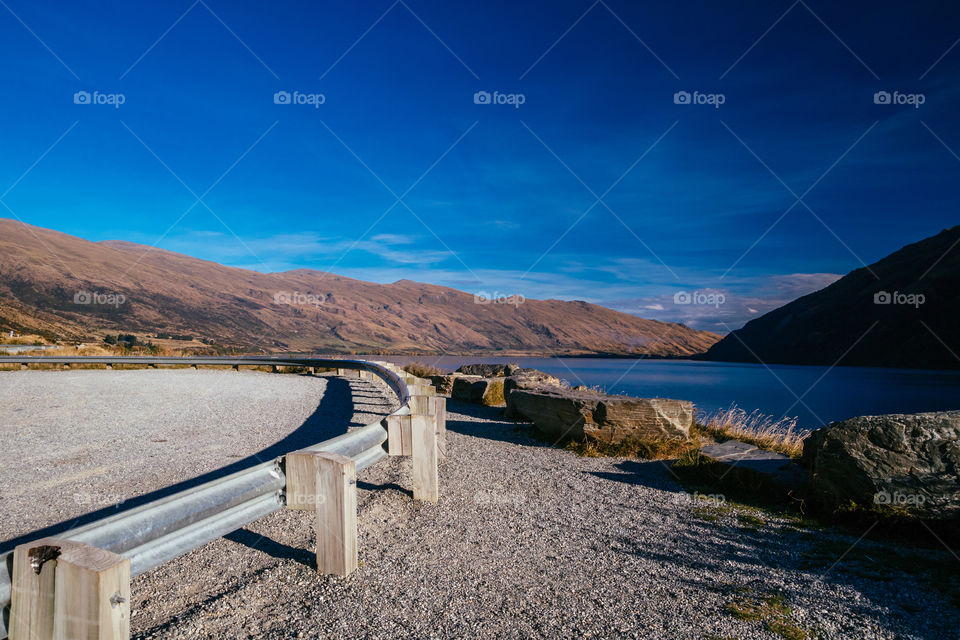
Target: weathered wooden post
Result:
[399, 436]
[426, 479]
[65, 589]
[92, 595]
[438, 407]
[327, 484]
[419, 404]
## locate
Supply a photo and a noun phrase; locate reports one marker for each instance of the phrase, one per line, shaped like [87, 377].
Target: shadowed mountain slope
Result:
[904, 311]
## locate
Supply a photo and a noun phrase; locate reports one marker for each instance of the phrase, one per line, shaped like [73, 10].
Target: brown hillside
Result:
[41, 271]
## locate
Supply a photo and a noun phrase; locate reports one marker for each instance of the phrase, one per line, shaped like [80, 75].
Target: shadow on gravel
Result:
[273, 548]
[332, 417]
[488, 422]
[369, 486]
[655, 474]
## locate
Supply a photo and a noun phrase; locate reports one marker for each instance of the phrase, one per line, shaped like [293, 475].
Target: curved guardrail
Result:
[161, 530]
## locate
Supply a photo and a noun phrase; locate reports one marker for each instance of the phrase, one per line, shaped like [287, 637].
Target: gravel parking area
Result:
[81, 441]
[530, 541]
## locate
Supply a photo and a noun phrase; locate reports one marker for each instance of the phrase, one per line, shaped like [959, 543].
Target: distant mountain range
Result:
[903, 311]
[69, 288]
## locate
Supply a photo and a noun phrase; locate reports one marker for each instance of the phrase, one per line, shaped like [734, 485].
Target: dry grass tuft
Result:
[757, 429]
[642, 449]
[421, 370]
[772, 610]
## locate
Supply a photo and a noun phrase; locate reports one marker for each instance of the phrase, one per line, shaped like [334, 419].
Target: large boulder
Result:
[530, 379]
[443, 383]
[478, 390]
[564, 414]
[484, 370]
[910, 461]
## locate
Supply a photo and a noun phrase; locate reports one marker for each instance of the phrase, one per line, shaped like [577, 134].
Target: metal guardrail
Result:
[164, 529]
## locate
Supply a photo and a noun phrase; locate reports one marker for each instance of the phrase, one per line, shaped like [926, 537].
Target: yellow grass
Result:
[755, 428]
[421, 370]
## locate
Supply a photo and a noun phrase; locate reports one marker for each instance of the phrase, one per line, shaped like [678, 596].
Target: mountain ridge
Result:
[873, 316]
[42, 272]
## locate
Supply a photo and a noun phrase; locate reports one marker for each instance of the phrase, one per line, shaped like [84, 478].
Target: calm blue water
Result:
[824, 394]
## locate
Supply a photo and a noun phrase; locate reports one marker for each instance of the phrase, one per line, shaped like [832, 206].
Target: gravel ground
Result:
[530, 541]
[87, 440]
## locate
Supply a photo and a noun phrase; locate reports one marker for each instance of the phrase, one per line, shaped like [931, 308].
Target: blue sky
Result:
[599, 186]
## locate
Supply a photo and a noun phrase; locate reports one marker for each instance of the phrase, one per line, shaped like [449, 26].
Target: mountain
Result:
[903, 311]
[65, 287]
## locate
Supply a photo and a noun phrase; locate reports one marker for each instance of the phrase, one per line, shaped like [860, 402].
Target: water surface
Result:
[815, 395]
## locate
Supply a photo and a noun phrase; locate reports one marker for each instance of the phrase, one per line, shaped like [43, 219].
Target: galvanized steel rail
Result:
[164, 529]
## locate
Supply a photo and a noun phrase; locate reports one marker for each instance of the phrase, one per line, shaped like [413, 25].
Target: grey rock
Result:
[779, 468]
[484, 370]
[898, 460]
[477, 390]
[443, 383]
[565, 414]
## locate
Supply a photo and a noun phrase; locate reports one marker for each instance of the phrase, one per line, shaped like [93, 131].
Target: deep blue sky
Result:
[495, 189]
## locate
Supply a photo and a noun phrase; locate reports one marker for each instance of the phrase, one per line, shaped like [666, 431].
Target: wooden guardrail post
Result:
[426, 479]
[92, 595]
[67, 589]
[438, 407]
[419, 404]
[327, 483]
[399, 436]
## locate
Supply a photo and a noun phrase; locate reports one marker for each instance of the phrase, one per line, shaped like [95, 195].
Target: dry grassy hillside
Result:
[41, 272]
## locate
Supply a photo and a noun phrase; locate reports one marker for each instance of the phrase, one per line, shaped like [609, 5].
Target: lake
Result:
[815, 395]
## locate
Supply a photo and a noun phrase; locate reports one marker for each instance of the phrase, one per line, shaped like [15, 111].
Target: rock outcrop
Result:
[478, 390]
[485, 370]
[444, 383]
[774, 467]
[564, 414]
[910, 461]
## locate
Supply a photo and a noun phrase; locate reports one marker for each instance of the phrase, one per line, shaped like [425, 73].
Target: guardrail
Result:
[77, 583]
